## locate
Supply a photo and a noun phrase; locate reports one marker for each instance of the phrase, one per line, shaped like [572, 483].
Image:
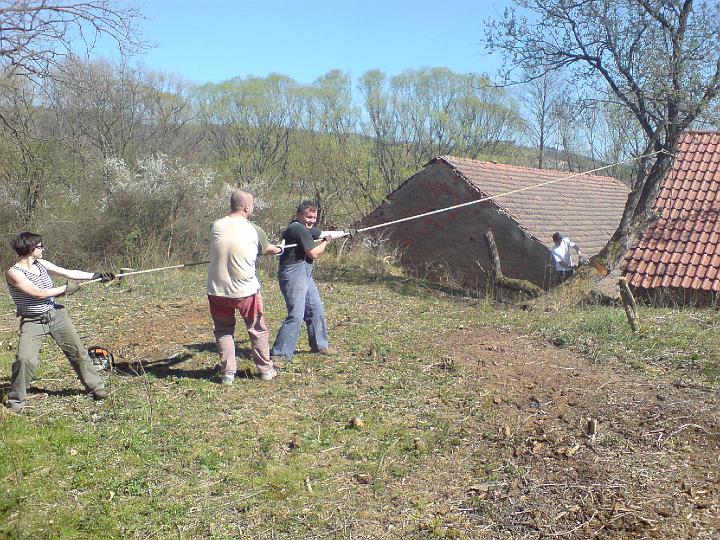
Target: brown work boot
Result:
[327, 351]
[98, 393]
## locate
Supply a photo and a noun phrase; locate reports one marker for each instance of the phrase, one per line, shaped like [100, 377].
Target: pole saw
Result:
[134, 273]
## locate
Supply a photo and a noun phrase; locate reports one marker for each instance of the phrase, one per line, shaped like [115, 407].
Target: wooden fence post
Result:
[629, 304]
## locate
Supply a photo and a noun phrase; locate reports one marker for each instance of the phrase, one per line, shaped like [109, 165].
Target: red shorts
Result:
[224, 308]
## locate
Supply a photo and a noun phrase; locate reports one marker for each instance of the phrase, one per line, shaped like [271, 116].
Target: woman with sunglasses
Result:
[33, 292]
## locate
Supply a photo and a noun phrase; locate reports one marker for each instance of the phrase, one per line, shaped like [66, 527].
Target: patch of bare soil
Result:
[600, 451]
[586, 450]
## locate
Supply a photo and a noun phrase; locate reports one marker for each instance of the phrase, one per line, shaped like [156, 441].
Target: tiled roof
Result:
[683, 248]
[586, 208]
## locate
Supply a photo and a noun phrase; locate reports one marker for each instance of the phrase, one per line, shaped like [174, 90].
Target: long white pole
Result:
[136, 272]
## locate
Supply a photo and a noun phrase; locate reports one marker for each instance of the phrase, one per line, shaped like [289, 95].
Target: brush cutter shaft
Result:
[185, 265]
[159, 269]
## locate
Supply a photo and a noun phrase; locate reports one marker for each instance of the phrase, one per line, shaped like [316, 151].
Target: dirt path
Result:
[590, 450]
[602, 450]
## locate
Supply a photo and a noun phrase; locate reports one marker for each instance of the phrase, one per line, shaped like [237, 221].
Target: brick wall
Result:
[450, 243]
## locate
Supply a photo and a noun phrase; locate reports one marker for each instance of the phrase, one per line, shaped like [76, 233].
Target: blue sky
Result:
[216, 40]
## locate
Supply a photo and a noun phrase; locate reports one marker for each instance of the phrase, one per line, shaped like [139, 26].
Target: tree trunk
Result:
[639, 213]
[497, 275]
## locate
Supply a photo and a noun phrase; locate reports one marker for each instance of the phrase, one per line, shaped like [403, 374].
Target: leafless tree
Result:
[36, 36]
[610, 136]
[106, 109]
[659, 59]
[541, 100]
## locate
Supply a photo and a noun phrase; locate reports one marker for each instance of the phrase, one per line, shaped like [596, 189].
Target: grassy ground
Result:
[386, 440]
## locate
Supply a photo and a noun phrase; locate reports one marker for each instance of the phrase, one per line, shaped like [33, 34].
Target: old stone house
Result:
[587, 208]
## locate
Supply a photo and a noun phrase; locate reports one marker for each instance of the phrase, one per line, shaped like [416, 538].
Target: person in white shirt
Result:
[561, 255]
[232, 285]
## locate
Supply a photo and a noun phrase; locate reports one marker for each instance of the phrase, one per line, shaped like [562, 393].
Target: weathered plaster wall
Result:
[450, 243]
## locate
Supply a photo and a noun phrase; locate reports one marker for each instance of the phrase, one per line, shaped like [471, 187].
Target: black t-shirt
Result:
[297, 233]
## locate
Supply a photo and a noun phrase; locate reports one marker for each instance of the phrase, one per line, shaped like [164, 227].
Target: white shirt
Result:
[561, 255]
[235, 244]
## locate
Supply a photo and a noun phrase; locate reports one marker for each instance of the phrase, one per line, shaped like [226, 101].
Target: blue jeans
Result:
[303, 303]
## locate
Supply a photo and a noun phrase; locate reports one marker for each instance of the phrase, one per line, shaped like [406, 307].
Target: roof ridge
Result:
[446, 158]
[701, 131]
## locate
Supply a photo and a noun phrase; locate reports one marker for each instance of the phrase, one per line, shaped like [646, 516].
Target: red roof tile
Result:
[687, 233]
[586, 208]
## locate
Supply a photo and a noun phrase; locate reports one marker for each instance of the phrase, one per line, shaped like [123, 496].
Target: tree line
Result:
[116, 161]
[111, 160]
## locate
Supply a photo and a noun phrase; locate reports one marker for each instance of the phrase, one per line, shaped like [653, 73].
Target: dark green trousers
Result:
[33, 330]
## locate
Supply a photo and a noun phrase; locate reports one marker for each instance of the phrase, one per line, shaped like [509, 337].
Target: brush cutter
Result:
[101, 357]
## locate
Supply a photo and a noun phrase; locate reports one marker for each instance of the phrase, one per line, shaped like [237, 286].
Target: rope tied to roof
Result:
[505, 194]
[341, 234]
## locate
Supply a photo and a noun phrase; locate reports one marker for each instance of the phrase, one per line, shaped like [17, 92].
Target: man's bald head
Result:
[239, 200]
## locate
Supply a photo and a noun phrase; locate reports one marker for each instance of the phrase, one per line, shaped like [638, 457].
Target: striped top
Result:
[26, 305]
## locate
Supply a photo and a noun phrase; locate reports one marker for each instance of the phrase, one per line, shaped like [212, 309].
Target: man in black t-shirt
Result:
[298, 287]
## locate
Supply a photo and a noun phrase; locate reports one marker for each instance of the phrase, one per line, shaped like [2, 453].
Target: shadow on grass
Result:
[177, 365]
[407, 285]
[38, 392]
[208, 346]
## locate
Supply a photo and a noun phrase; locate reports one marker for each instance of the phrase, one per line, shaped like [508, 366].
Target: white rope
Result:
[485, 199]
[136, 272]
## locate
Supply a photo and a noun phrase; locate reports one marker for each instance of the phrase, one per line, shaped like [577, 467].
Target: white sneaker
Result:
[268, 375]
[227, 379]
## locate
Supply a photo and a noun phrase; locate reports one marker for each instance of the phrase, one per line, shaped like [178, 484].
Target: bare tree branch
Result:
[37, 35]
[659, 58]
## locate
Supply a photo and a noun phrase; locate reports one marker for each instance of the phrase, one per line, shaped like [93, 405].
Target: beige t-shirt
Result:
[235, 244]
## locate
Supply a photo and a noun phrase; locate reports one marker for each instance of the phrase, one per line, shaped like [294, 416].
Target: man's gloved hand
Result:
[351, 232]
[71, 287]
[103, 276]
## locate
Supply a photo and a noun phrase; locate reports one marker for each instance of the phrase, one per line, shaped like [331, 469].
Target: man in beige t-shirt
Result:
[235, 244]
